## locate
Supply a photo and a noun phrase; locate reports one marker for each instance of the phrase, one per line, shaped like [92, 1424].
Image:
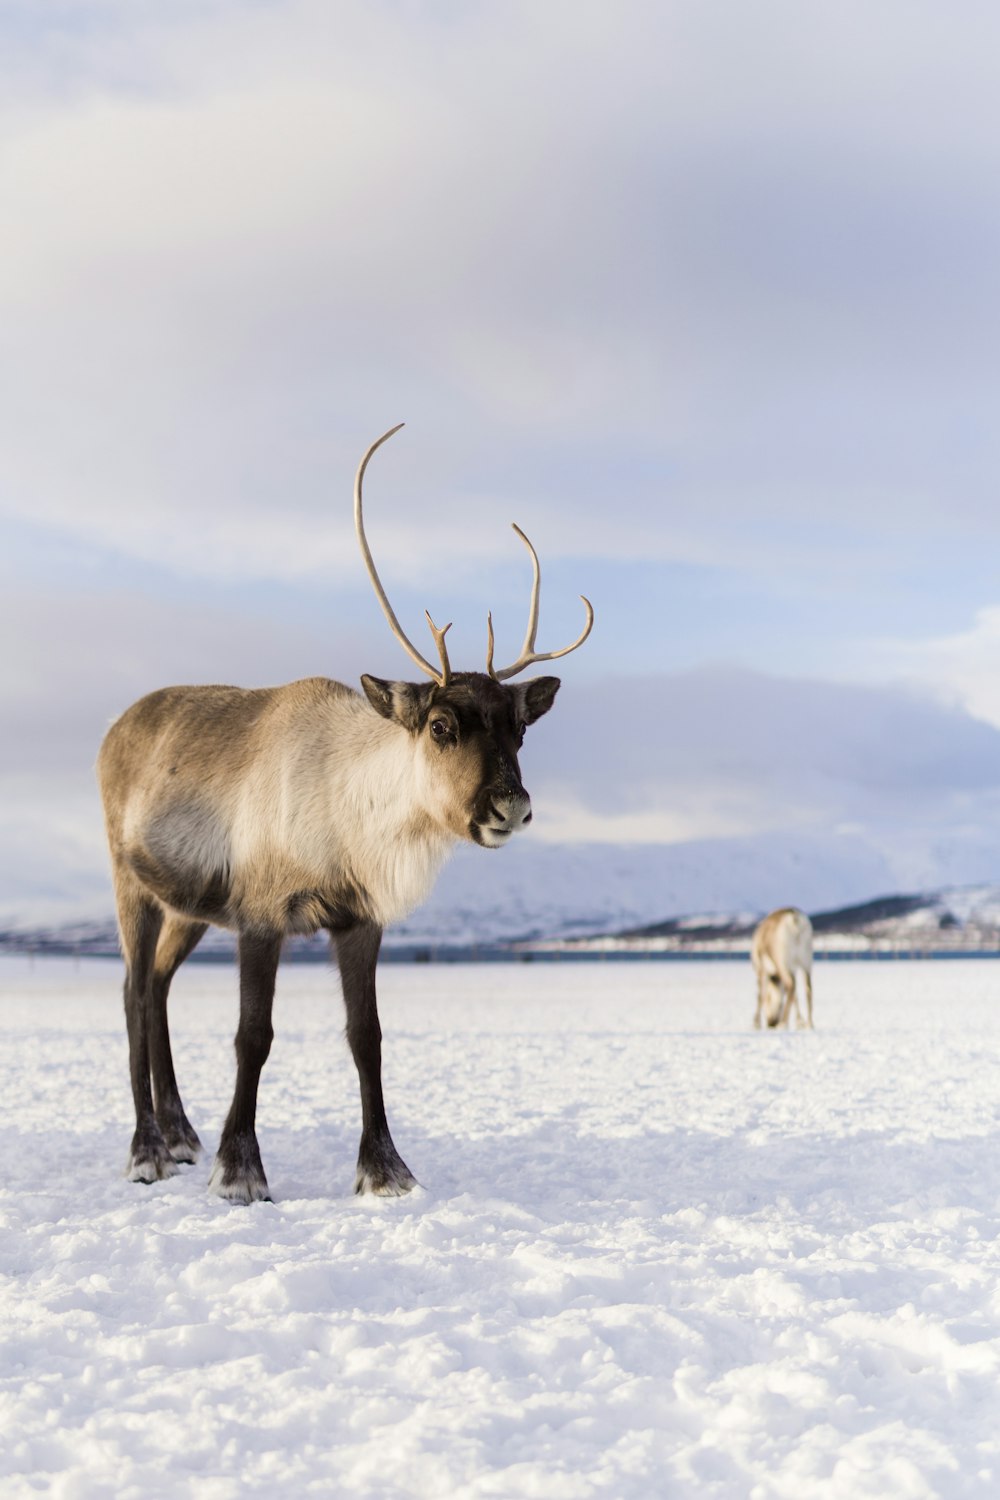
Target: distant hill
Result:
[964, 919]
[685, 893]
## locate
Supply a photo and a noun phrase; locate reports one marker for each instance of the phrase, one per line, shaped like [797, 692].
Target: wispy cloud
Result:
[963, 668]
[716, 753]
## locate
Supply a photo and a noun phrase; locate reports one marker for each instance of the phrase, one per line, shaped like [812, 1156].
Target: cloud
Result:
[53, 862]
[77, 660]
[668, 278]
[667, 758]
[963, 668]
[732, 752]
[703, 298]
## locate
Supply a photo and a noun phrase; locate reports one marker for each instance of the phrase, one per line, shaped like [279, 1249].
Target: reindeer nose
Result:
[513, 810]
[520, 813]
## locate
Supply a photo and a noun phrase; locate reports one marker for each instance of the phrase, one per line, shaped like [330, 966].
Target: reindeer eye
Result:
[441, 729]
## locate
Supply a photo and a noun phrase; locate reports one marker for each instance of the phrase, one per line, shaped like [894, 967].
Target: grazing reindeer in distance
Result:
[782, 947]
[286, 810]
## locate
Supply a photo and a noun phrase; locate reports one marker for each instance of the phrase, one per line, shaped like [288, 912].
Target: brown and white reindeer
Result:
[782, 948]
[290, 809]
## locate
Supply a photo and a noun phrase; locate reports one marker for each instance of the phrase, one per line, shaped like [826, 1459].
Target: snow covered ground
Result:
[657, 1254]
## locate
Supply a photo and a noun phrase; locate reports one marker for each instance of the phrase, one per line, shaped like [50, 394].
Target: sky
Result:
[705, 297]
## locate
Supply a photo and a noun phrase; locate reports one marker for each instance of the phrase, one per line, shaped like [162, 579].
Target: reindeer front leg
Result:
[238, 1173]
[381, 1169]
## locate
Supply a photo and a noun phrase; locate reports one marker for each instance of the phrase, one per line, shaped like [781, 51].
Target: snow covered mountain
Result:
[539, 891]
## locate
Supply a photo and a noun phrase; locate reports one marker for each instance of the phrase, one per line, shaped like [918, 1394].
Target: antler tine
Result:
[439, 636]
[536, 584]
[489, 646]
[380, 594]
[528, 653]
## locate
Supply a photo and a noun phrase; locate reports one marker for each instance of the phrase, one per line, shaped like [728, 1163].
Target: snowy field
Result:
[656, 1254]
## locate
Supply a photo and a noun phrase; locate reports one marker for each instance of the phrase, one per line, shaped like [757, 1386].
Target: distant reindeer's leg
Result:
[760, 1001]
[791, 998]
[381, 1169]
[807, 976]
[238, 1173]
[139, 921]
[784, 993]
[178, 938]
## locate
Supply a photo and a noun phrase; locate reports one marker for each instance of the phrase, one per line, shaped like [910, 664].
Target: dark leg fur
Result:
[149, 1159]
[238, 1173]
[178, 939]
[381, 1169]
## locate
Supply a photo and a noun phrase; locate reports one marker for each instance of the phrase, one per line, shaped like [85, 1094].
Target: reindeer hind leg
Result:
[139, 921]
[178, 938]
[787, 989]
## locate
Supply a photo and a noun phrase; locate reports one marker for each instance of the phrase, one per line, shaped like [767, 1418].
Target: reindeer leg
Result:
[809, 999]
[178, 938]
[760, 1001]
[381, 1169]
[238, 1173]
[139, 921]
[793, 999]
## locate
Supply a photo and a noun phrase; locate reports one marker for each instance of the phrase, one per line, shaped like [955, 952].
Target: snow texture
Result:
[656, 1253]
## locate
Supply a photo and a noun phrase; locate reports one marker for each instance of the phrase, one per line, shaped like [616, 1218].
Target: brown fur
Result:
[285, 810]
[781, 948]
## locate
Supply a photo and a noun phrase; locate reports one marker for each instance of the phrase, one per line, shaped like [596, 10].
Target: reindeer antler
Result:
[441, 678]
[528, 653]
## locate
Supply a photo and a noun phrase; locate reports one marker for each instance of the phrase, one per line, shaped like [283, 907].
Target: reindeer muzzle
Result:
[505, 814]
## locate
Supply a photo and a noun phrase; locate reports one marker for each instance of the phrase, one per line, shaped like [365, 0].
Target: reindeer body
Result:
[286, 810]
[781, 949]
[281, 809]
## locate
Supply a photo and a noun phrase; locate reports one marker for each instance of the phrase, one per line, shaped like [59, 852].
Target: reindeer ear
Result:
[535, 697]
[399, 701]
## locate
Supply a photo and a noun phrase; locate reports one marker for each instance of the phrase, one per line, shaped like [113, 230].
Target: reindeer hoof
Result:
[246, 1186]
[186, 1154]
[396, 1186]
[149, 1160]
[183, 1144]
[238, 1173]
[382, 1171]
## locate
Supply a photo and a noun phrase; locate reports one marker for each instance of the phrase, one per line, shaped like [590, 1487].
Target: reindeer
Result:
[782, 945]
[292, 809]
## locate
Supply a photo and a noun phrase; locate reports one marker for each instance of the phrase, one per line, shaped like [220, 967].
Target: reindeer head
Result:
[468, 726]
